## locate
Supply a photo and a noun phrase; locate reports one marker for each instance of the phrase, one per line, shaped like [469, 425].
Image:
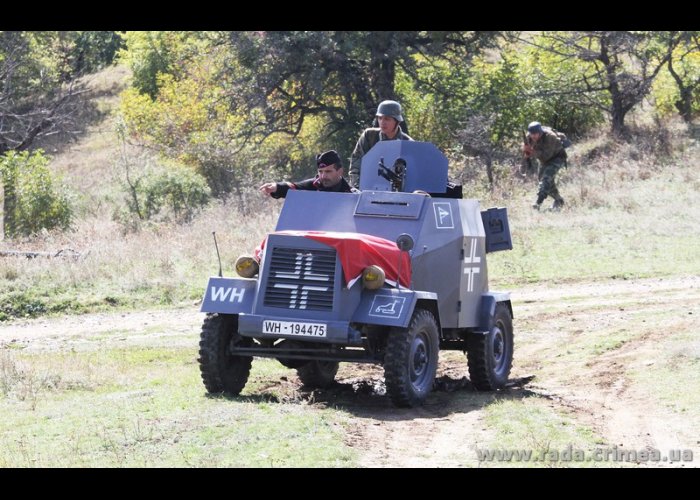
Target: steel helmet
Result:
[535, 128]
[390, 108]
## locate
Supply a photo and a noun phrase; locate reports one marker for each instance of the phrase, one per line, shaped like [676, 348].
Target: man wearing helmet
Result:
[389, 117]
[542, 143]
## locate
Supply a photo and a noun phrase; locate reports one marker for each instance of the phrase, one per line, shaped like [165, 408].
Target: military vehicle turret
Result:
[387, 276]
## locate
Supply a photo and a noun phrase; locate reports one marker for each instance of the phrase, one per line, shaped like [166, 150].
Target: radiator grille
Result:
[301, 278]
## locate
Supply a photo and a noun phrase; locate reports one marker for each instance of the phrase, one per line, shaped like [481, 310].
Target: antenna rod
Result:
[398, 271]
[217, 253]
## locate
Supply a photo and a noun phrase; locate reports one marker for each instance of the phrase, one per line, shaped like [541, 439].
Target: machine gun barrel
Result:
[396, 176]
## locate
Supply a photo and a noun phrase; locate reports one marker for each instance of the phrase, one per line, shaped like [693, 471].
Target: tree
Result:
[39, 93]
[190, 122]
[684, 67]
[33, 100]
[33, 201]
[341, 75]
[152, 54]
[83, 52]
[480, 110]
[622, 64]
[235, 106]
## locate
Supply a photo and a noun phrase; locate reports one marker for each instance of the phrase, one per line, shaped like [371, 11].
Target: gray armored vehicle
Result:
[386, 276]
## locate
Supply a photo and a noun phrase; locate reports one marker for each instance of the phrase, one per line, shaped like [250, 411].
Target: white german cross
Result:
[302, 263]
[472, 270]
[302, 270]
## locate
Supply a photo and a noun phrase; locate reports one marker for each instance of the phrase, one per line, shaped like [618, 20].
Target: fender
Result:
[229, 295]
[488, 309]
[389, 306]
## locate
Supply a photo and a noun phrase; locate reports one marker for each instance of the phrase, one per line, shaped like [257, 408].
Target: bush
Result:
[32, 201]
[175, 193]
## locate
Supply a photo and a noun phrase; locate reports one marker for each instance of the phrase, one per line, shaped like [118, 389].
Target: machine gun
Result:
[396, 175]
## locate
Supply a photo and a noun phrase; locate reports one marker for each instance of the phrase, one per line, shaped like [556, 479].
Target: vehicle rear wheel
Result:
[490, 356]
[221, 371]
[411, 360]
[318, 374]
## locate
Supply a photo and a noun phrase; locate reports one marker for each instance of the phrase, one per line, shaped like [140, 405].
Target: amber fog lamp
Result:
[247, 266]
[373, 277]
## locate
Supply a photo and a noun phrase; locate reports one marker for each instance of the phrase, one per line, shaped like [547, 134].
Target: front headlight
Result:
[247, 266]
[373, 277]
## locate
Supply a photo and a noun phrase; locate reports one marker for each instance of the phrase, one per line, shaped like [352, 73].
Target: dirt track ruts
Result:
[600, 396]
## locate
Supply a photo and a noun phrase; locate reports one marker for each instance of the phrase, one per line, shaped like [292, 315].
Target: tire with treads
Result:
[490, 356]
[222, 372]
[411, 360]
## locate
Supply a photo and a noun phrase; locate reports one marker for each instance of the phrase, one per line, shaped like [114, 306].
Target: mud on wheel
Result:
[221, 371]
[490, 356]
[411, 360]
[318, 374]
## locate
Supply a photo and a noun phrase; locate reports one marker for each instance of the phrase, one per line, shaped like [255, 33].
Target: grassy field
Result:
[145, 407]
[597, 365]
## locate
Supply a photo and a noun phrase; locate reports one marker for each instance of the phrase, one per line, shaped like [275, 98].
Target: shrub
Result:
[176, 193]
[32, 200]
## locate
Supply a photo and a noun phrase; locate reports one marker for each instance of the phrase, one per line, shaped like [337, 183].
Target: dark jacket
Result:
[311, 185]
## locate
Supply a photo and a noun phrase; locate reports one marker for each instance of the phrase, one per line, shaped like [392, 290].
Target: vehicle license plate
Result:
[294, 328]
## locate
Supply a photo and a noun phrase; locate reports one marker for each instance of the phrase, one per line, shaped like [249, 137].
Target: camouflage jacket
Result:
[311, 185]
[548, 147]
[369, 138]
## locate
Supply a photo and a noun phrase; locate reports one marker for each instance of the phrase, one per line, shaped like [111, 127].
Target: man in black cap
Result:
[329, 178]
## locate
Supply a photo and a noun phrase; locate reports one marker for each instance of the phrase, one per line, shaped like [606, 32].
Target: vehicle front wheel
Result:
[411, 360]
[221, 371]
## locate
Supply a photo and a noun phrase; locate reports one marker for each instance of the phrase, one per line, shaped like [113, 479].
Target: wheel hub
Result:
[419, 360]
[499, 350]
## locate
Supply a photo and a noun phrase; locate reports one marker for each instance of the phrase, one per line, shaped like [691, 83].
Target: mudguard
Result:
[488, 308]
[389, 307]
[229, 295]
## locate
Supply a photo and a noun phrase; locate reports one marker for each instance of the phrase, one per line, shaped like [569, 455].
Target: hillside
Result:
[117, 267]
[98, 353]
[626, 216]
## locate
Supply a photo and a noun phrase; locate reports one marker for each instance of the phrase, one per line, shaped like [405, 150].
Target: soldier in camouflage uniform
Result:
[389, 117]
[544, 145]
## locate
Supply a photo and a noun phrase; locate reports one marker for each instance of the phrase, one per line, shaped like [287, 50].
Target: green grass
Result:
[148, 407]
[534, 424]
[656, 236]
[597, 331]
[162, 267]
[169, 266]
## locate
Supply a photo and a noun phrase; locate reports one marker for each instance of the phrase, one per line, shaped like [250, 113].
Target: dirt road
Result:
[598, 391]
[582, 348]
